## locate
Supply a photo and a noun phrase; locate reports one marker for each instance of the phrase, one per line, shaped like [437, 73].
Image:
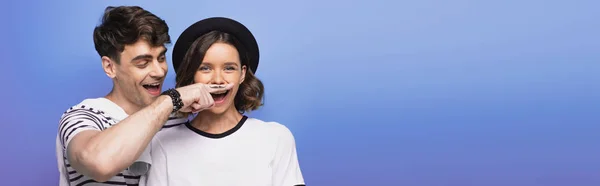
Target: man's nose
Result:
[157, 70]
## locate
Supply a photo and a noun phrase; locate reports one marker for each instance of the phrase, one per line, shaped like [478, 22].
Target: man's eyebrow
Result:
[143, 56]
[148, 56]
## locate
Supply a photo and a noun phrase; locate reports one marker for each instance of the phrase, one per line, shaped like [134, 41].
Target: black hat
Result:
[222, 24]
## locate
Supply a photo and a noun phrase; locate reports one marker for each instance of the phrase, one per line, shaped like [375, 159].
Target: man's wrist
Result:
[175, 99]
[165, 100]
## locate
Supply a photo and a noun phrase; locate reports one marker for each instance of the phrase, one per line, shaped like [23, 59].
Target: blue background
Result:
[426, 93]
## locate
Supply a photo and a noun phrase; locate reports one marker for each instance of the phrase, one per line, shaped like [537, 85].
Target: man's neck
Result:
[216, 123]
[116, 97]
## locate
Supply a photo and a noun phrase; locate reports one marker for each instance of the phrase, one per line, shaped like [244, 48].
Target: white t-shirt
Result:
[94, 114]
[253, 153]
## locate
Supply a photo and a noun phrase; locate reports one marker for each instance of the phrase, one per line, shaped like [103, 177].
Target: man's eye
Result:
[143, 64]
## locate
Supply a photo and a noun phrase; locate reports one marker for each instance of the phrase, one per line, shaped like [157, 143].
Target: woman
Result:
[220, 145]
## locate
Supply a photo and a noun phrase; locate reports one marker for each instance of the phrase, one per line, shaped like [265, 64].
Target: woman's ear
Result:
[243, 74]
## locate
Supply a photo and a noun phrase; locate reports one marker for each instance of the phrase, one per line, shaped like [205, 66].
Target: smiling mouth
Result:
[219, 97]
[153, 88]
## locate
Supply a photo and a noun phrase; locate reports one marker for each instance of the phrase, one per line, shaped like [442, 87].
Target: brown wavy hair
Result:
[250, 93]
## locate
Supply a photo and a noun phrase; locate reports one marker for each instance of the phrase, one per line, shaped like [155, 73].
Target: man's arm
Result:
[103, 154]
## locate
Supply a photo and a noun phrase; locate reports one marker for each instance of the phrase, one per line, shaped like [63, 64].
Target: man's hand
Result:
[197, 97]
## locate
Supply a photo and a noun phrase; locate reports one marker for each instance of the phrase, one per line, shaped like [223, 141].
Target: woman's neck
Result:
[216, 123]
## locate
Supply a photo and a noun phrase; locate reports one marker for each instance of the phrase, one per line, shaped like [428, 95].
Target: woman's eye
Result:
[204, 68]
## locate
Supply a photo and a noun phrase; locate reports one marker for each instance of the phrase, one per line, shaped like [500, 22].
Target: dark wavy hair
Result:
[125, 25]
[250, 94]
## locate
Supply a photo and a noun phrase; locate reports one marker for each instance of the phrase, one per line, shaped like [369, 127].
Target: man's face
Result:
[141, 72]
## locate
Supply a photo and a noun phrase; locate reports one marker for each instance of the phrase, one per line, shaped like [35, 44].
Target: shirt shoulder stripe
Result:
[79, 119]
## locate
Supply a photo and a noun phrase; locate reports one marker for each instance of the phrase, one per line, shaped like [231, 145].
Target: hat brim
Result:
[227, 25]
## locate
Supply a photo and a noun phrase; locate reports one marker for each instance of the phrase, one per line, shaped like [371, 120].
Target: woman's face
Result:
[221, 65]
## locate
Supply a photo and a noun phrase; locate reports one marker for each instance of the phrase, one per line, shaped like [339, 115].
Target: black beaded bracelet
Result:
[175, 97]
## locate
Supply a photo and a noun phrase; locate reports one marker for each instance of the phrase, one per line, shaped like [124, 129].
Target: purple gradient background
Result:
[427, 93]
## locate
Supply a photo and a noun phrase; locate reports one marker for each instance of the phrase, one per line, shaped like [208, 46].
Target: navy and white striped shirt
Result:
[93, 114]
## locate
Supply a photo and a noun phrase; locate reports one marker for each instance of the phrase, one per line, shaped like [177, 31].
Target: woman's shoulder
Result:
[171, 132]
[272, 127]
[276, 133]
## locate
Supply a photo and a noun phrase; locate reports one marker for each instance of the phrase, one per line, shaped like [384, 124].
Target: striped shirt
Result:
[93, 114]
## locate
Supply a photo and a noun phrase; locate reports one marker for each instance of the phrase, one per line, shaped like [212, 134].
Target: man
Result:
[99, 139]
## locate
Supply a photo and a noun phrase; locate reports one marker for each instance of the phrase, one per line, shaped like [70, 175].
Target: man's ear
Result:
[109, 67]
[243, 74]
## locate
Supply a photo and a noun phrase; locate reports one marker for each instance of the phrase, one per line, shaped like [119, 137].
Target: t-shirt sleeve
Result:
[143, 163]
[157, 175]
[76, 120]
[286, 168]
